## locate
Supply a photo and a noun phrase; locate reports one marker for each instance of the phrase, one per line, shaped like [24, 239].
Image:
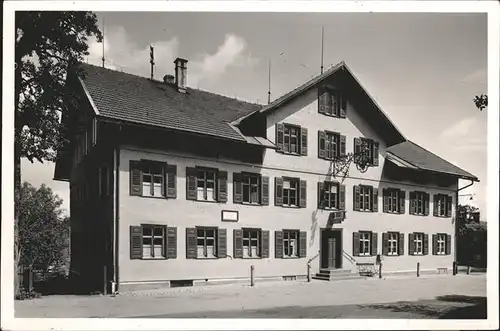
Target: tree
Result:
[472, 236]
[43, 229]
[47, 45]
[481, 101]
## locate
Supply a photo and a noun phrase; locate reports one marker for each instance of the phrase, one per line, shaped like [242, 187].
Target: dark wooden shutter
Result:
[448, 205]
[264, 198]
[278, 191]
[303, 244]
[303, 141]
[355, 244]
[221, 243]
[435, 205]
[448, 244]
[278, 244]
[237, 188]
[374, 243]
[342, 143]
[135, 178]
[171, 242]
[402, 201]
[171, 181]
[385, 199]
[385, 243]
[375, 154]
[426, 244]
[135, 242]
[222, 186]
[321, 144]
[322, 100]
[355, 191]
[321, 188]
[280, 128]
[303, 194]
[357, 145]
[343, 105]
[434, 244]
[426, 204]
[341, 197]
[191, 243]
[191, 193]
[401, 244]
[264, 244]
[237, 244]
[375, 199]
[411, 244]
[413, 203]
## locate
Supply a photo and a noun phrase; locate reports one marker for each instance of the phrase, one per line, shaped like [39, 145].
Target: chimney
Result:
[181, 74]
[169, 79]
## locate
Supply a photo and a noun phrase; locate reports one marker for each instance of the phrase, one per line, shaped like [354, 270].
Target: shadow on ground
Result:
[443, 307]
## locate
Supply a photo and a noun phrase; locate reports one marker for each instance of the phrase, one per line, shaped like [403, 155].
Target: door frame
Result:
[321, 236]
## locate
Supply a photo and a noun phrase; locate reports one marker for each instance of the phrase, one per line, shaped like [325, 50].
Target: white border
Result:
[7, 313]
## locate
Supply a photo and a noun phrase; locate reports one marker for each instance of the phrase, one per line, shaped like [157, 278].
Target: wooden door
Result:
[332, 252]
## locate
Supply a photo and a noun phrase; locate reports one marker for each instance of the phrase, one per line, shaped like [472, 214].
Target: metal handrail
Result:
[349, 257]
[314, 257]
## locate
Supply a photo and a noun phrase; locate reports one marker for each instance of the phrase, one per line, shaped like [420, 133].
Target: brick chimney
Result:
[181, 74]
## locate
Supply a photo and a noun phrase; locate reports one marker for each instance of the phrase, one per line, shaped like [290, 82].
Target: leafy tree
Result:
[481, 101]
[43, 229]
[47, 45]
[472, 236]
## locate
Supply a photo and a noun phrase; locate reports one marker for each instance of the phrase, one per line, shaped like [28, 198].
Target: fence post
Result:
[105, 289]
[454, 268]
[418, 269]
[30, 279]
[380, 270]
[468, 269]
[252, 280]
[308, 272]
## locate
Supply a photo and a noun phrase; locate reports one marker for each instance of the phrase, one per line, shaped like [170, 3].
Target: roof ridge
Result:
[161, 82]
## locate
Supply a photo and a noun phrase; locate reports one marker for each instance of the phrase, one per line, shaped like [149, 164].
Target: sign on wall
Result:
[336, 217]
[230, 216]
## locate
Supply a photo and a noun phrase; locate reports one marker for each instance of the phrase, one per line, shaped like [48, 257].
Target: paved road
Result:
[264, 296]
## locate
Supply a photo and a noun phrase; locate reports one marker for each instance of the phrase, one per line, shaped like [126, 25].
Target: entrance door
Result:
[331, 249]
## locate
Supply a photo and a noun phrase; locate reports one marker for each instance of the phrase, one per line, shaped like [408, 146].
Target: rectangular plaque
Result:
[230, 216]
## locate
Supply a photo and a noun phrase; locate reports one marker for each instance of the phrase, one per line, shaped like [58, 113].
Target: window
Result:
[251, 188]
[94, 131]
[206, 188]
[332, 145]
[365, 198]
[365, 243]
[418, 242]
[206, 242]
[152, 179]
[366, 150]
[332, 102]
[393, 239]
[442, 205]
[441, 244]
[290, 243]
[290, 192]
[419, 203]
[330, 198]
[291, 139]
[251, 243]
[153, 241]
[394, 201]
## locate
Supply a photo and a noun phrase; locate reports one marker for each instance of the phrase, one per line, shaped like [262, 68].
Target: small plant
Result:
[27, 294]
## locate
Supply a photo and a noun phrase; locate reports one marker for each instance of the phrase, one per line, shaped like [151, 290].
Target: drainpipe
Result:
[117, 216]
[456, 222]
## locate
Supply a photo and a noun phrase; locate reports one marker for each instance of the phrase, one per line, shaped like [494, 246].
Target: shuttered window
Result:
[291, 139]
[392, 241]
[290, 243]
[442, 205]
[291, 192]
[153, 179]
[418, 243]
[153, 242]
[251, 243]
[331, 195]
[366, 150]
[441, 244]
[331, 102]
[394, 201]
[206, 242]
[419, 203]
[251, 188]
[365, 198]
[206, 185]
[365, 243]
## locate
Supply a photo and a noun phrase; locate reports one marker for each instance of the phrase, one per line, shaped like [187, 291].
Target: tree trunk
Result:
[17, 189]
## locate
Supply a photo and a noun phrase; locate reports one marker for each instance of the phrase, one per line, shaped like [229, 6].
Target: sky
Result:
[423, 69]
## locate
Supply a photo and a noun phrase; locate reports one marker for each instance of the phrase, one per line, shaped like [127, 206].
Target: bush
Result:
[27, 295]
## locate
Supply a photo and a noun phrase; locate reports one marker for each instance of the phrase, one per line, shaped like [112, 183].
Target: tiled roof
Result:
[127, 97]
[425, 160]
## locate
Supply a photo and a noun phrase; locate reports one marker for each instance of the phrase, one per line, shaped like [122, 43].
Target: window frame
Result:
[393, 195]
[249, 231]
[243, 177]
[152, 245]
[363, 241]
[287, 238]
[442, 205]
[365, 192]
[367, 144]
[296, 182]
[332, 138]
[205, 181]
[327, 203]
[420, 196]
[393, 237]
[416, 240]
[443, 242]
[205, 244]
[298, 145]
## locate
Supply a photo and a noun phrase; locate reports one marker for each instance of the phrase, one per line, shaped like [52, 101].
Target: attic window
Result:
[332, 102]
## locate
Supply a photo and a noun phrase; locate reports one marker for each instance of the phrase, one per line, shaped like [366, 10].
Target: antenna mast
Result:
[322, 42]
[103, 42]
[269, 89]
[151, 60]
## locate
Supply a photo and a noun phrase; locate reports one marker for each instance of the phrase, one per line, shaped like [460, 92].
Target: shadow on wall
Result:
[460, 307]
[314, 226]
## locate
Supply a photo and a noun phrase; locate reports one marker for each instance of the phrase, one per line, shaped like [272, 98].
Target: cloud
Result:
[122, 53]
[478, 76]
[466, 135]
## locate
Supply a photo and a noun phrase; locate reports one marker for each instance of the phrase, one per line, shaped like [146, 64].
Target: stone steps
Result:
[336, 274]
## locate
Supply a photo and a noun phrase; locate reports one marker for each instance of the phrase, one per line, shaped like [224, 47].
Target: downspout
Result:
[117, 213]
[456, 217]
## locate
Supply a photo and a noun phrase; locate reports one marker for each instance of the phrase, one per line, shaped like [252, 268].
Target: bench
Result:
[366, 269]
[442, 270]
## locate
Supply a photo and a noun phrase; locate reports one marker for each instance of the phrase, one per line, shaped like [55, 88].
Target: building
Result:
[177, 186]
